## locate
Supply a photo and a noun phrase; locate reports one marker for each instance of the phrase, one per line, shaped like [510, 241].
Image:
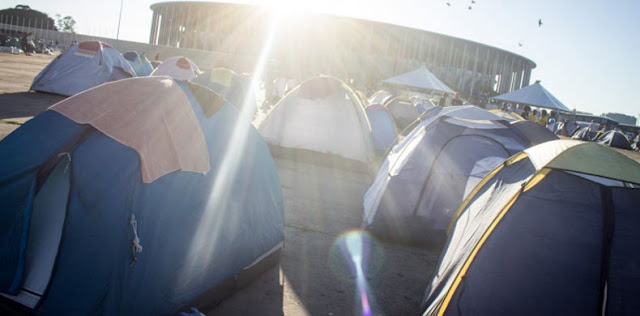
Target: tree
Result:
[66, 24]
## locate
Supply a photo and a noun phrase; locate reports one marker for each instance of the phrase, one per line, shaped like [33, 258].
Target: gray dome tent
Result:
[426, 176]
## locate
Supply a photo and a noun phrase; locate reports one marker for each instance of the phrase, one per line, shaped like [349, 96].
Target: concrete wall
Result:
[204, 59]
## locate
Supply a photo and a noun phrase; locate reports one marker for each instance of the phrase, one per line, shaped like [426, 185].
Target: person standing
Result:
[525, 112]
[543, 120]
[534, 116]
[25, 44]
[552, 122]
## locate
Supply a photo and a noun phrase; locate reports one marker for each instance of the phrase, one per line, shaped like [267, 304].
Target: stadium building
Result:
[364, 50]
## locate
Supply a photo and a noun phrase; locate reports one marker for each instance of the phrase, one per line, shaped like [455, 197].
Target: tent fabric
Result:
[321, 115]
[380, 97]
[534, 95]
[533, 131]
[383, 129]
[426, 176]
[583, 134]
[139, 63]
[195, 230]
[508, 115]
[403, 111]
[615, 139]
[81, 67]
[233, 87]
[512, 238]
[421, 78]
[179, 67]
[588, 158]
[144, 121]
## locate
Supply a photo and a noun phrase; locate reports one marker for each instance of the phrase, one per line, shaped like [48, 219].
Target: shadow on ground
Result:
[323, 206]
[26, 104]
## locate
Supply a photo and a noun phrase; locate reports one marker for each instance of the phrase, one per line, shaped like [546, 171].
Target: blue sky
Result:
[586, 51]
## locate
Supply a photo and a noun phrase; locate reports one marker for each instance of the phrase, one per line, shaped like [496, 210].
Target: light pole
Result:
[119, 18]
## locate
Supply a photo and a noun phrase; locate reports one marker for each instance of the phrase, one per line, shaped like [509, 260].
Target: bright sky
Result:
[586, 51]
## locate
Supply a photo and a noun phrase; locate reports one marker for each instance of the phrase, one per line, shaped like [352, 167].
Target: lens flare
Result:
[356, 248]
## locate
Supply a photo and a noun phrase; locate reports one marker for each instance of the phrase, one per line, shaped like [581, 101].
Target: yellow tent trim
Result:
[472, 194]
[473, 254]
[533, 182]
[536, 179]
[515, 158]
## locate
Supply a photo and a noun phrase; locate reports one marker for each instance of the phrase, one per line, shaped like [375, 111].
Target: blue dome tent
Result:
[131, 205]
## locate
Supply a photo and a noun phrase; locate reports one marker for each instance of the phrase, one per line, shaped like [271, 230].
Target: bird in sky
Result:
[539, 22]
[448, 4]
[473, 1]
[469, 7]
[520, 44]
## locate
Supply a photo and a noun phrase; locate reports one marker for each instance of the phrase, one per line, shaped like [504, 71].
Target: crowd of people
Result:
[28, 42]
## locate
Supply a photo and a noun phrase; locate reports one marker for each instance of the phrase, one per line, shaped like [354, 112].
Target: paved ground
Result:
[316, 275]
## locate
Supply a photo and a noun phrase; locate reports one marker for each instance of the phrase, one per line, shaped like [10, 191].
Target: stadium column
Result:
[495, 75]
[474, 73]
[162, 35]
[485, 66]
[501, 73]
[527, 76]
[450, 61]
[463, 68]
[154, 25]
[519, 74]
[511, 78]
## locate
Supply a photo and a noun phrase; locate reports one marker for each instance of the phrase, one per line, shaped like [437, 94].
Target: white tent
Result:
[533, 95]
[420, 78]
[179, 67]
[81, 67]
[323, 115]
[139, 63]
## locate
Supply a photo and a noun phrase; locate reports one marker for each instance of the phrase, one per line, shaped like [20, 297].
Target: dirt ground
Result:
[322, 205]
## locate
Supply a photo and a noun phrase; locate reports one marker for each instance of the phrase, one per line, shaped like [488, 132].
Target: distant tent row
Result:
[117, 205]
[426, 176]
[551, 231]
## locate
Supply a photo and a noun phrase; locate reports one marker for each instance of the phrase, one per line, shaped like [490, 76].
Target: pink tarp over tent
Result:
[157, 122]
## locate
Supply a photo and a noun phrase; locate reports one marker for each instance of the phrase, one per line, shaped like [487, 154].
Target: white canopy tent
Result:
[420, 78]
[534, 95]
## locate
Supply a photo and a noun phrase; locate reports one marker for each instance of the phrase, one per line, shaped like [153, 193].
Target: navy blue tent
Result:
[551, 231]
[614, 139]
[85, 230]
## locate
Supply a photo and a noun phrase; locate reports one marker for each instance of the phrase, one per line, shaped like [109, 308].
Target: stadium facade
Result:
[308, 44]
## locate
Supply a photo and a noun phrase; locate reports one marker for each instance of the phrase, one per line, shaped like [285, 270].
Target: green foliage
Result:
[66, 24]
